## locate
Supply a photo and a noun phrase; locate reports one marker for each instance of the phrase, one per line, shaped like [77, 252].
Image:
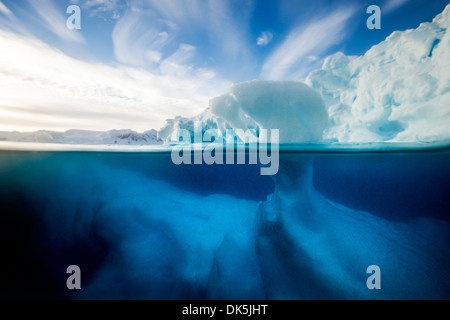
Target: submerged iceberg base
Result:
[312, 248]
[145, 238]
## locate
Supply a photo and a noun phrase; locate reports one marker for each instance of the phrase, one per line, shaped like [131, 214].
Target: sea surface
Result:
[140, 227]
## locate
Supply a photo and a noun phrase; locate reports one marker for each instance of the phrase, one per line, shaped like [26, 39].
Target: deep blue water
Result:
[140, 227]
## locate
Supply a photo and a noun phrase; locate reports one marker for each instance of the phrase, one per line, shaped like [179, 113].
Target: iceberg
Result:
[292, 107]
[170, 132]
[399, 91]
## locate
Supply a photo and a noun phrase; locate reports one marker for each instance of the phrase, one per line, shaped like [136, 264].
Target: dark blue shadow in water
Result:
[394, 186]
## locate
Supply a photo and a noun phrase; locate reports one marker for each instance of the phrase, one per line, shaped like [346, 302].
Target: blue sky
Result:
[136, 63]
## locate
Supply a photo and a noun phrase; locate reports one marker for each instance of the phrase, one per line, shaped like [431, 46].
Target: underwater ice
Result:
[146, 238]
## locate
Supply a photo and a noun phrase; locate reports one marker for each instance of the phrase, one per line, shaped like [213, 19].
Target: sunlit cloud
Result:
[44, 88]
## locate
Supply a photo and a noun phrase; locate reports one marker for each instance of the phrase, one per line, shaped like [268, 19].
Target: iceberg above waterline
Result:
[398, 92]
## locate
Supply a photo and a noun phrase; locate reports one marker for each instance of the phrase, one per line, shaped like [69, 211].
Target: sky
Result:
[134, 64]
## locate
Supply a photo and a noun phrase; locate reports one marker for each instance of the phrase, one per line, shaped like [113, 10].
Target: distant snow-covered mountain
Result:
[84, 137]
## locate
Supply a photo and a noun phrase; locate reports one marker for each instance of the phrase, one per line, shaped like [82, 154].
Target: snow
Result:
[84, 137]
[399, 91]
[293, 108]
[169, 133]
[299, 112]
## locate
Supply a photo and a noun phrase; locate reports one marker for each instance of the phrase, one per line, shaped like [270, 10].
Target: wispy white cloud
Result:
[148, 34]
[264, 39]
[5, 10]
[55, 20]
[392, 5]
[222, 23]
[180, 11]
[227, 28]
[178, 63]
[63, 93]
[290, 59]
[154, 78]
[137, 42]
[103, 8]
[9, 21]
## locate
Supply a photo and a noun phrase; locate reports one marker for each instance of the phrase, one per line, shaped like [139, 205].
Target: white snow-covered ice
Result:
[399, 91]
[292, 107]
[85, 137]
